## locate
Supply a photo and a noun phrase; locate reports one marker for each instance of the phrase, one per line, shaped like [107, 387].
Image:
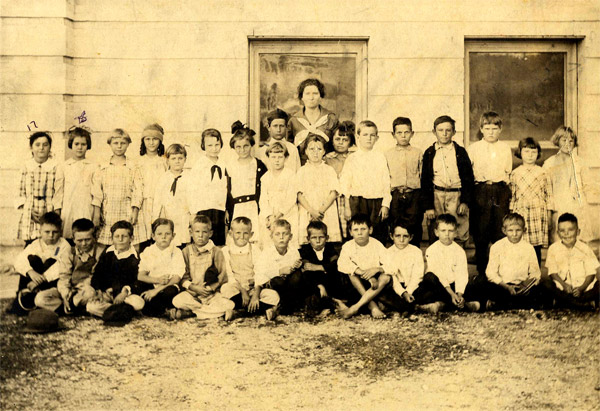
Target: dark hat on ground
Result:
[42, 321]
[118, 315]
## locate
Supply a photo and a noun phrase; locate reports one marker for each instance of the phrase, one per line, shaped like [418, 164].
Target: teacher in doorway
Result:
[312, 117]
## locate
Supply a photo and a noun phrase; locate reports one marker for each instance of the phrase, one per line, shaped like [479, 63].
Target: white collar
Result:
[123, 254]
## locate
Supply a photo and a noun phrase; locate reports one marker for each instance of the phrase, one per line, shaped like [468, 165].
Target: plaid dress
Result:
[41, 190]
[531, 194]
[116, 189]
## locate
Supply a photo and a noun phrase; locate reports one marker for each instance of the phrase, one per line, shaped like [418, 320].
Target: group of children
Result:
[269, 230]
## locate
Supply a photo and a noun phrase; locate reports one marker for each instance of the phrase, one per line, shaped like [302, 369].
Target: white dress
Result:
[173, 206]
[316, 182]
[77, 197]
[278, 196]
[151, 169]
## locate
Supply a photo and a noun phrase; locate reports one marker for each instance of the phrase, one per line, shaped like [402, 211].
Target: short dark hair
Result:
[444, 119]
[241, 132]
[399, 121]
[345, 129]
[446, 219]
[316, 225]
[402, 224]
[82, 224]
[358, 219]
[162, 221]
[39, 134]
[277, 114]
[122, 225]
[176, 149]
[211, 132]
[51, 218]
[79, 132]
[490, 117]
[513, 218]
[311, 82]
[201, 219]
[568, 217]
[528, 142]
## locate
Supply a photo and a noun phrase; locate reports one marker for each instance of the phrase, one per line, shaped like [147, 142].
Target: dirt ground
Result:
[491, 361]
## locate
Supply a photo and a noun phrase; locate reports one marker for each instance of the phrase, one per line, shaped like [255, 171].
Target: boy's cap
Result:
[118, 315]
[42, 321]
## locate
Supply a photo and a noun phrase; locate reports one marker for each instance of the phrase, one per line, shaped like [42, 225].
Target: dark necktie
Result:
[174, 185]
[212, 172]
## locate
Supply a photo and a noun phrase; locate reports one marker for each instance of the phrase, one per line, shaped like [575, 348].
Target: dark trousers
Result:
[291, 290]
[371, 207]
[157, 306]
[567, 300]
[405, 207]
[217, 218]
[504, 300]
[395, 302]
[431, 290]
[489, 207]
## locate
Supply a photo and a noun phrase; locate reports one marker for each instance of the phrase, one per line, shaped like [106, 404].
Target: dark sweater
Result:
[330, 257]
[465, 173]
[113, 273]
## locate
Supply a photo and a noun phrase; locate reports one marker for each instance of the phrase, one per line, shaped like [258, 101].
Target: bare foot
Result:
[349, 312]
[324, 313]
[271, 313]
[339, 304]
[228, 315]
[377, 313]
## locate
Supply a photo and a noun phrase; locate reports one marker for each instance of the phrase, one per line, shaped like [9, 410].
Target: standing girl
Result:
[41, 187]
[570, 180]
[531, 194]
[243, 186]
[343, 141]
[117, 192]
[78, 172]
[317, 186]
[152, 166]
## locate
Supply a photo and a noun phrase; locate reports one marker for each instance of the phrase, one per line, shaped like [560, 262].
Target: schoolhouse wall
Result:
[184, 65]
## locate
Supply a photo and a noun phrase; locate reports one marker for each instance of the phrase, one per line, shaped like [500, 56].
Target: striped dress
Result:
[40, 190]
[531, 195]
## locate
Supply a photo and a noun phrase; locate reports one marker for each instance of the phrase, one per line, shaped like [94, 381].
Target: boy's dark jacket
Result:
[465, 173]
[330, 257]
[113, 273]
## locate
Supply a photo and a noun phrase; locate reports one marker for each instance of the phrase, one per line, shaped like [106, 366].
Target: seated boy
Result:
[116, 272]
[240, 259]
[573, 268]
[204, 275]
[277, 124]
[404, 162]
[74, 289]
[447, 179]
[278, 268]
[161, 269]
[41, 264]
[447, 276]
[512, 271]
[404, 263]
[362, 259]
[319, 265]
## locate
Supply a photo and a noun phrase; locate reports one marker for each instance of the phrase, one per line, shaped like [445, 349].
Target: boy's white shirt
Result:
[270, 262]
[406, 267]
[121, 255]
[230, 249]
[449, 264]
[491, 161]
[573, 265]
[512, 263]
[159, 262]
[61, 252]
[366, 174]
[354, 256]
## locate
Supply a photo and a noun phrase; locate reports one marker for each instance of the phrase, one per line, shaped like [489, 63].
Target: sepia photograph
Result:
[300, 205]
